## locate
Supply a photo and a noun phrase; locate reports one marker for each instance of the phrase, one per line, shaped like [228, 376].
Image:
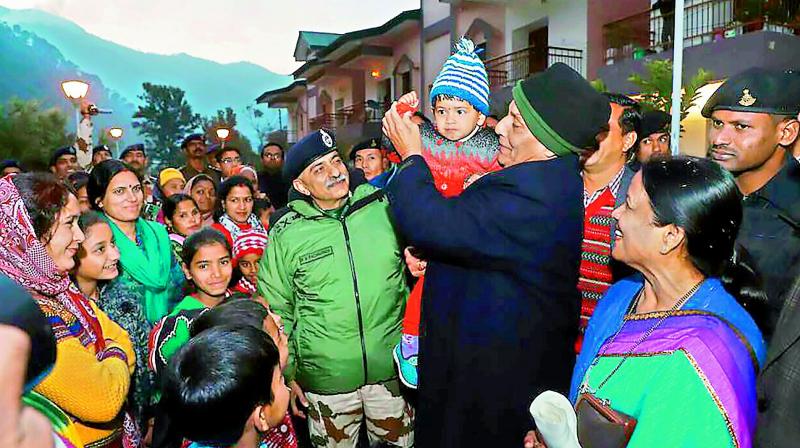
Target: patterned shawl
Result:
[24, 259]
[235, 229]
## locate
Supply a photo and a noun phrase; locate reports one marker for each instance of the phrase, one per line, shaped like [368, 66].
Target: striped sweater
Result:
[595, 269]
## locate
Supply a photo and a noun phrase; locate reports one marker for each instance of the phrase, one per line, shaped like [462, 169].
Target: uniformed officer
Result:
[370, 157]
[100, 153]
[194, 147]
[753, 128]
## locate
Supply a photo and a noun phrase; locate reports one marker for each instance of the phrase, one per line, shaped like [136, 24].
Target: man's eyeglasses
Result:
[229, 160]
[273, 156]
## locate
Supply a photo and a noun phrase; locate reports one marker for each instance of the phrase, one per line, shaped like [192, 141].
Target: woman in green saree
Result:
[150, 281]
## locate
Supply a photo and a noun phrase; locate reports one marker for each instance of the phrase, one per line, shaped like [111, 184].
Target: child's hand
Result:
[411, 99]
[402, 132]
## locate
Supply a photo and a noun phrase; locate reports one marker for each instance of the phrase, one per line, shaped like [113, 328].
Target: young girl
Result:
[182, 217]
[208, 267]
[247, 251]
[97, 264]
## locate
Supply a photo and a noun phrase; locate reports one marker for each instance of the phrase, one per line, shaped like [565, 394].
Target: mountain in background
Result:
[209, 85]
[33, 70]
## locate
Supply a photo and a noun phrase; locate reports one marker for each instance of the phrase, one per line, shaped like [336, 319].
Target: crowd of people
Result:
[421, 288]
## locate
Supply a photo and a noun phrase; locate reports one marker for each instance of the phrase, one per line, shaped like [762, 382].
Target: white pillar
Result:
[677, 73]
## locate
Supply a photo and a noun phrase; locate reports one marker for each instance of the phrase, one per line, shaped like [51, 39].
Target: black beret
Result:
[372, 143]
[757, 90]
[60, 152]
[561, 109]
[654, 121]
[135, 147]
[306, 151]
[193, 138]
[101, 148]
[9, 163]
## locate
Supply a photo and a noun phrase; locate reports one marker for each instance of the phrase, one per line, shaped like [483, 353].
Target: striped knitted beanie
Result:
[464, 76]
[250, 242]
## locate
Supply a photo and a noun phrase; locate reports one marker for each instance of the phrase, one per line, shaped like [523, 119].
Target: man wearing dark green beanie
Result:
[503, 260]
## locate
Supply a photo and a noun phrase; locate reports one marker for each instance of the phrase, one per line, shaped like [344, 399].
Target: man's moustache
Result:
[331, 182]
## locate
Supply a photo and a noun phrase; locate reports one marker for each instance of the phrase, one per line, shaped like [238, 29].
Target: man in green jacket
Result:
[334, 272]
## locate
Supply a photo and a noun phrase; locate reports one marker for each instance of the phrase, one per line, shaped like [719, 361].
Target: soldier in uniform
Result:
[194, 146]
[753, 129]
[370, 157]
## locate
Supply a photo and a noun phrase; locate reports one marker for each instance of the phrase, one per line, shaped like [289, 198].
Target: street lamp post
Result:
[116, 134]
[75, 91]
[222, 135]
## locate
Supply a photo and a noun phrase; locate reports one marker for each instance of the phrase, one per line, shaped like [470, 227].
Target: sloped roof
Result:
[265, 97]
[341, 39]
[316, 39]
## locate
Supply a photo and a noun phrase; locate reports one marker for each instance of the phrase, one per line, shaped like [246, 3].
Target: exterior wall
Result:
[601, 12]
[408, 45]
[337, 87]
[566, 22]
[371, 85]
[434, 11]
[436, 52]
[466, 13]
[759, 49]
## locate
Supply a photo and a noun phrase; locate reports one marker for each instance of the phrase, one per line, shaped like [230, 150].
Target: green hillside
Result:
[209, 85]
[34, 69]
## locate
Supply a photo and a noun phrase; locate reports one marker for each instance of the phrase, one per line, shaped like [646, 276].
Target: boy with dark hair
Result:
[224, 387]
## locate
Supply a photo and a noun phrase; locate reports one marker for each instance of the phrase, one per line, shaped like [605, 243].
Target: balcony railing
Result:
[506, 70]
[704, 21]
[367, 112]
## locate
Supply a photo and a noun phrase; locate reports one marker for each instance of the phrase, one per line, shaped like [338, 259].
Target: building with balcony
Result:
[348, 80]
[722, 36]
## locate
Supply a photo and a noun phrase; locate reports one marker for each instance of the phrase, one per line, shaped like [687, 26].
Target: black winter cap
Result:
[561, 109]
[654, 121]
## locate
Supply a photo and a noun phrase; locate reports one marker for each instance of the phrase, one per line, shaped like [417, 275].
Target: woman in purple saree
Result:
[671, 347]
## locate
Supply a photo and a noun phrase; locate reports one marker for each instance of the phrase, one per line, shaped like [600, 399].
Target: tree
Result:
[226, 118]
[656, 86]
[260, 124]
[30, 134]
[599, 85]
[164, 120]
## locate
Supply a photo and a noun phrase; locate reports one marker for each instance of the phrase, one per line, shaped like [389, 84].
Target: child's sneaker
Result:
[405, 356]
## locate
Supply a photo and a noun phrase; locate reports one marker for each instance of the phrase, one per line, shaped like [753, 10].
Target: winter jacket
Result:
[337, 280]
